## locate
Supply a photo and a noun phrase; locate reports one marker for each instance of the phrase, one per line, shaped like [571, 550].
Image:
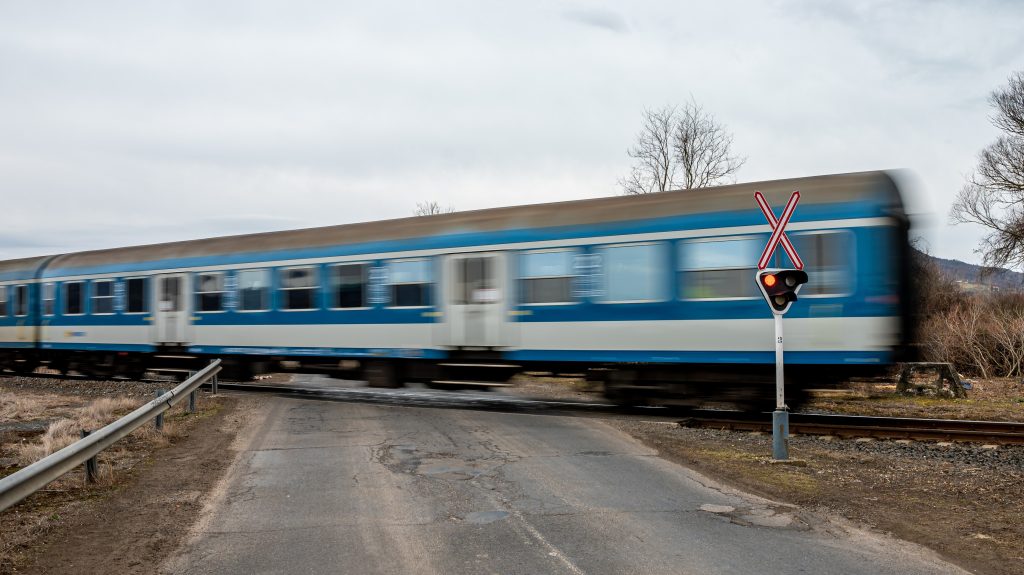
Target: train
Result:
[651, 296]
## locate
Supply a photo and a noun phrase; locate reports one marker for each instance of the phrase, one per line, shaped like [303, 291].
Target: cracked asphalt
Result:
[333, 487]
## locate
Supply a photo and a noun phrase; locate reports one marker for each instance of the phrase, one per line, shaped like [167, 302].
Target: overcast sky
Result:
[136, 122]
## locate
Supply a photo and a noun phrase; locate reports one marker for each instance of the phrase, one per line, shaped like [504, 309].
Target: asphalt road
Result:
[332, 487]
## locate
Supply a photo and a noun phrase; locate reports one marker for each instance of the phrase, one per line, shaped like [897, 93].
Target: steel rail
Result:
[80, 377]
[27, 481]
[1004, 432]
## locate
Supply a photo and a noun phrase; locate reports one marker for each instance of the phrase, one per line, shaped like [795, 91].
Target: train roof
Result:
[878, 186]
[22, 268]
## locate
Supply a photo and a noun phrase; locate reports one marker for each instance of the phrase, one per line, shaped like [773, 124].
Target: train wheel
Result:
[620, 388]
[382, 374]
[24, 367]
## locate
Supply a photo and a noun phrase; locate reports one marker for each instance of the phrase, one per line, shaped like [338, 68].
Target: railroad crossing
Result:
[326, 486]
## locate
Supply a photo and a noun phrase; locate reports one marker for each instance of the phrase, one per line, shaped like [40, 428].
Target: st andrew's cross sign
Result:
[778, 231]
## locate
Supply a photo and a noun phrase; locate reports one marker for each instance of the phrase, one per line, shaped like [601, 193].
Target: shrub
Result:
[980, 334]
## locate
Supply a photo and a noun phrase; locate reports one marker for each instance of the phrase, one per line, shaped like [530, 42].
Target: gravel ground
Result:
[86, 388]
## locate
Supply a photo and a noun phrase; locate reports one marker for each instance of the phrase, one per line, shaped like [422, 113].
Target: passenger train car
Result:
[653, 295]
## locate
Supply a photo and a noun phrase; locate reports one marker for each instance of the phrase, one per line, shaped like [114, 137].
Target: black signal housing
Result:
[780, 286]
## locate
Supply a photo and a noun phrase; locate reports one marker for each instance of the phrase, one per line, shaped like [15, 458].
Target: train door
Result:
[477, 300]
[171, 310]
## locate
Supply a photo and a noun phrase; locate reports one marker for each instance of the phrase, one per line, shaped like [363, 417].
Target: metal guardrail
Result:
[27, 481]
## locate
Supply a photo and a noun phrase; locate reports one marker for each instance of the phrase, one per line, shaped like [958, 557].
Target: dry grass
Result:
[29, 406]
[995, 399]
[66, 431]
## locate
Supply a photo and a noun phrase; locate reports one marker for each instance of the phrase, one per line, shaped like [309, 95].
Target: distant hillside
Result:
[1004, 279]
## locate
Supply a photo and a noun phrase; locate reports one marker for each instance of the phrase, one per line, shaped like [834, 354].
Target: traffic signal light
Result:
[780, 287]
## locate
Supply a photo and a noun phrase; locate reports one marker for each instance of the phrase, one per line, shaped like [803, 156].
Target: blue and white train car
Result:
[19, 314]
[653, 294]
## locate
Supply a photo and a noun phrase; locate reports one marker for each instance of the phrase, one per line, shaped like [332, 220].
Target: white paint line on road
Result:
[552, 550]
[520, 519]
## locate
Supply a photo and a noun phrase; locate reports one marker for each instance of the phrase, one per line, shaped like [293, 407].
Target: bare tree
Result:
[704, 149]
[655, 168]
[680, 148]
[994, 193]
[432, 208]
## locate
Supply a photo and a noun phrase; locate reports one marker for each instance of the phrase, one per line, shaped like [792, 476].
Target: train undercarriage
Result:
[749, 387]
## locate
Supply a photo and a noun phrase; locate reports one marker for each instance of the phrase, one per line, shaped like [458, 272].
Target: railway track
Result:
[992, 432]
[998, 432]
[79, 377]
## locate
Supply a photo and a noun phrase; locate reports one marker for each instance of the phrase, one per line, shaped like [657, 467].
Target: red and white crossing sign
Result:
[778, 231]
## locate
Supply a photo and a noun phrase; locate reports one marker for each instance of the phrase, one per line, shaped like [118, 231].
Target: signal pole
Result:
[780, 417]
[779, 288]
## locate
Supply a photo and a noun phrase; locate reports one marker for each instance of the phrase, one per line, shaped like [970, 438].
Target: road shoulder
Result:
[136, 528]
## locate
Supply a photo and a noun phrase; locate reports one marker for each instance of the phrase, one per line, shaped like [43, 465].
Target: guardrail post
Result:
[213, 384]
[159, 420]
[192, 396]
[90, 464]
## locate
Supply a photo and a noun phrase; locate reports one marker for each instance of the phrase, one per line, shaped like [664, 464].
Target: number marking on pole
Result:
[778, 231]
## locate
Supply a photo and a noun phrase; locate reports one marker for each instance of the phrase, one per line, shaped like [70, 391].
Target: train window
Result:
[719, 268]
[546, 277]
[299, 287]
[409, 283]
[828, 258]
[348, 285]
[633, 272]
[21, 300]
[49, 298]
[74, 298]
[136, 295]
[253, 290]
[3, 301]
[210, 291]
[102, 297]
[475, 281]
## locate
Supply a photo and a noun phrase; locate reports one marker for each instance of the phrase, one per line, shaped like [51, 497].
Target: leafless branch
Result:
[655, 167]
[994, 194]
[680, 148]
[432, 208]
[704, 149]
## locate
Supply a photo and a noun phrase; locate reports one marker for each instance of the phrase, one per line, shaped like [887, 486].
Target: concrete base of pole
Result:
[780, 435]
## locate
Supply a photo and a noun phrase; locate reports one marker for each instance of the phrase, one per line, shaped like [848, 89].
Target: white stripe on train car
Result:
[733, 335]
[359, 336]
[17, 333]
[97, 334]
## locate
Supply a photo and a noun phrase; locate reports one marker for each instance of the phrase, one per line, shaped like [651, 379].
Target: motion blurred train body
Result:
[652, 295]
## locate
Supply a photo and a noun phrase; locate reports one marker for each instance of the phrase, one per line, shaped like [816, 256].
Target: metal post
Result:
[213, 384]
[780, 417]
[90, 464]
[192, 396]
[159, 419]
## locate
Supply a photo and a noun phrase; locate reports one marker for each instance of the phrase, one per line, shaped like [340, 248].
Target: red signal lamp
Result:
[780, 286]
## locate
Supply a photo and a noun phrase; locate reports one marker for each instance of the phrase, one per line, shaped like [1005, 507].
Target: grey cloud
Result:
[596, 18]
